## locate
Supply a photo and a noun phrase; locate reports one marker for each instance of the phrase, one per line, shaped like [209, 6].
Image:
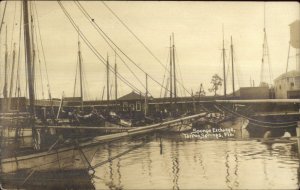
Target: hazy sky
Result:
[197, 27]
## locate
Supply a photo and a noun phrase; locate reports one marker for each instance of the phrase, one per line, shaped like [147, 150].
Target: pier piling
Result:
[160, 145]
[298, 137]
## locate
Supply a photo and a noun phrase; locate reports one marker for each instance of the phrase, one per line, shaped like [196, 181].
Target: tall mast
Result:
[33, 52]
[232, 67]
[80, 72]
[171, 78]
[146, 96]
[103, 92]
[224, 76]
[12, 76]
[107, 79]
[116, 78]
[28, 58]
[5, 67]
[174, 69]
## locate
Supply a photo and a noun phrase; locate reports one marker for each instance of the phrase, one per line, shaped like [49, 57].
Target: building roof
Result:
[289, 74]
[132, 96]
[295, 23]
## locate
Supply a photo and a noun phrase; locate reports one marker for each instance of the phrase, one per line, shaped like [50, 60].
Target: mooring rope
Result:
[261, 123]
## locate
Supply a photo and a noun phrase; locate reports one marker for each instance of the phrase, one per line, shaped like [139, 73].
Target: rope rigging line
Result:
[13, 28]
[17, 89]
[268, 126]
[99, 29]
[254, 120]
[93, 49]
[38, 57]
[269, 62]
[144, 45]
[75, 82]
[119, 154]
[43, 52]
[87, 16]
[11, 52]
[182, 90]
[274, 127]
[163, 82]
[179, 90]
[85, 82]
[236, 70]
[3, 15]
[106, 38]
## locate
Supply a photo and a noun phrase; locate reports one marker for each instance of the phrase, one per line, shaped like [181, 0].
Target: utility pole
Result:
[233, 90]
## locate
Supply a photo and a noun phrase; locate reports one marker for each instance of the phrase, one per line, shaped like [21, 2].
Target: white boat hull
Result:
[70, 158]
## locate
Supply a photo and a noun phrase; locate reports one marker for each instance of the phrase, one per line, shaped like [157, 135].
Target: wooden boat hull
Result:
[239, 125]
[8, 132]
[68, 179]
[182, 127]
[62, 159]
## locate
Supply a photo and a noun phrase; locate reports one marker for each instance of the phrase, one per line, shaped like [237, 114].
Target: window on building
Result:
[292, 84]
[297, 82]
[125, 106]
[279, 87]
[132, 107]
[138, 106]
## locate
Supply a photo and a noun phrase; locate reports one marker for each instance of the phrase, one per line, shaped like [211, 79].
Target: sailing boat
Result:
[77, 116]
[173, 91]
[62, 155]
[13, 113]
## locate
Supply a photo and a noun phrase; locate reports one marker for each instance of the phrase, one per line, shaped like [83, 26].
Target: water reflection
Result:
[149, 163]
[175, 164]
[119, 172]
[196, 164]
[236, 169]
[73, 179]
[198, 158]
[232, 166]
[227, 177]
[171, 163]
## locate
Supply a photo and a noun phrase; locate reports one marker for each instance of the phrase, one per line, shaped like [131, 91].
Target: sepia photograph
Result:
[128, 95]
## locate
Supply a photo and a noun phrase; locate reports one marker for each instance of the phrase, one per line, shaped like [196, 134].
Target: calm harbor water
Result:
[198, 164]
[174, 162]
